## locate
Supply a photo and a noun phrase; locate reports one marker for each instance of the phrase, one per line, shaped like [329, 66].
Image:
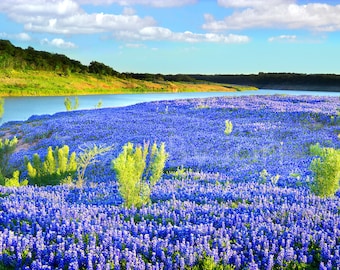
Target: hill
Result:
[28, 72]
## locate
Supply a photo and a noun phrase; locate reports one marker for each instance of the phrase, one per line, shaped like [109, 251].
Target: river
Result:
[21, 108]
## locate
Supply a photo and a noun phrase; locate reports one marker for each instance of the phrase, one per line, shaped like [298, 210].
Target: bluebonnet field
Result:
[241, 200]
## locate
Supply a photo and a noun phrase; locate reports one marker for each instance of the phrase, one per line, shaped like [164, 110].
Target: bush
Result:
[326, 169]
[68, 104]
[228, 127]
[86, 158]
[8, 178]
[137, 172]
[2, 110]
[57, 168]
[13, 181]
[315, 149]
[7, 147]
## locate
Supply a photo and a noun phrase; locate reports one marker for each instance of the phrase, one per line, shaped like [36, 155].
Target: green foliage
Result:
[13, 181]
[101, 69]
[181, 173]
[326, 169]
[228, 127]
[58, 167]
[12, 57]
[7, 147]
[137, 171]
[68, 104]
[315, 149]
[99, 104]
[263, 176]
[7, 177]
[88, 157]
[2, 110]
[158, 158]
[208, 263]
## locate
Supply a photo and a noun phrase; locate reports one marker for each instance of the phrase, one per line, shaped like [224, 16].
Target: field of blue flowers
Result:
[237, 201]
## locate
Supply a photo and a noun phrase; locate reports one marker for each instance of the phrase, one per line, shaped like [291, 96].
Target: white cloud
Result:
[68, 18]
[161, 33]
[154, 3]
[276, 14]
[83, 23]
[59, 43]
[134, 45]
[20, 36]
[286, 38]
[251, 3]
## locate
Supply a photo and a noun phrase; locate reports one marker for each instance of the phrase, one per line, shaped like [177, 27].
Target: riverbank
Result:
[46, 83]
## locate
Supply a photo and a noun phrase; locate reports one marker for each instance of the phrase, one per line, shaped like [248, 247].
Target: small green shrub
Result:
[2, 110]
[99, 104]
[86, 158]
[228, 127]
[208, 263]
[7, 147]
[58, 167]
[13, 181]
[263, 176]
[181, 173]
[326, 169]
[68, 104]
[315, 149]
[138, 171]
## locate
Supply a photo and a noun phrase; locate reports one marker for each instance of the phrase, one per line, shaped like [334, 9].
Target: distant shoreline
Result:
[292, 87]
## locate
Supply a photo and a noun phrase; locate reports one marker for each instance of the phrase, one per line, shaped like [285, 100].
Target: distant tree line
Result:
[30, 59]
[260, 80]
[161, 77]
[278, 80]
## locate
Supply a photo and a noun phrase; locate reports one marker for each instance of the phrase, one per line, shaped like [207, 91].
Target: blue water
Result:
[21, 108]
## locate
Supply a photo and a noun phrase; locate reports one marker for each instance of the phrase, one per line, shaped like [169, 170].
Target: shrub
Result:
[7, 177]
[13, 181]
[326, 169]
[86, 158]
[137, 172]
[68, 104]
[99, 104]
[315, 149]
[7, 147]
[57, 168]
[228, 127]
[208, 263]
[2, 110]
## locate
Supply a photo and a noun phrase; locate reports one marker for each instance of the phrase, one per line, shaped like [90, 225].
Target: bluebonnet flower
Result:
[220, 208]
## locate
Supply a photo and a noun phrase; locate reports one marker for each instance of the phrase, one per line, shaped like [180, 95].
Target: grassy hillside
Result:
[28, 72]
[45, 83]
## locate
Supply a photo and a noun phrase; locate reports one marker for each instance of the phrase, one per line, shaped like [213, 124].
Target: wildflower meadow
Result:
[240, 187]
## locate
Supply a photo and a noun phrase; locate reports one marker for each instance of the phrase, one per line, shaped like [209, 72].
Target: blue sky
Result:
[182, 36]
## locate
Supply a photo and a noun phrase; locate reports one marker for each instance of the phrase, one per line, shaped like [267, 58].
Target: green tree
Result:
[58, 167]
[137, 172]
[326, 169]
